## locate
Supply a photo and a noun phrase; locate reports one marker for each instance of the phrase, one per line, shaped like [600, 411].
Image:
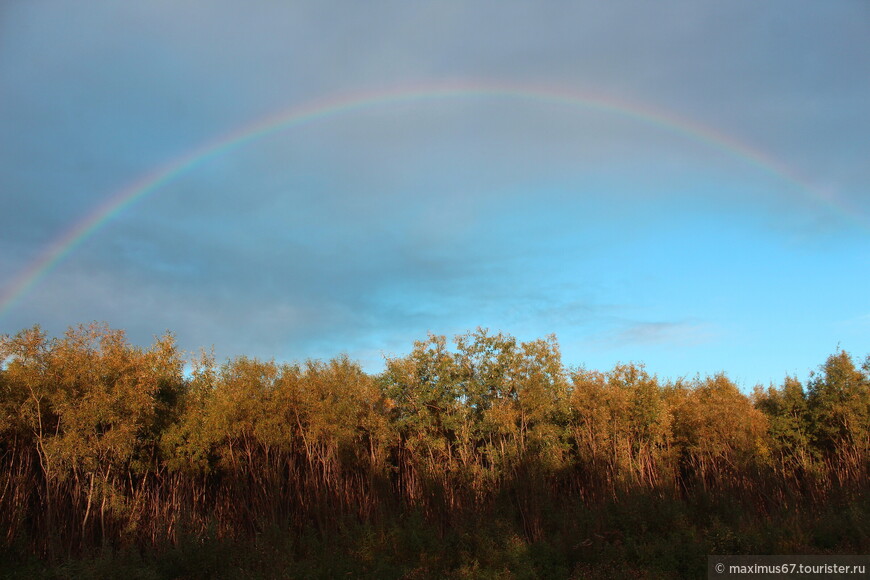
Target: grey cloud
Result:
[669, 334]
[362, 230]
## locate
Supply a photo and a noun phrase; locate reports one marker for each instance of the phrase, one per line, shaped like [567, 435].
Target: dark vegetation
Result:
[487, 460]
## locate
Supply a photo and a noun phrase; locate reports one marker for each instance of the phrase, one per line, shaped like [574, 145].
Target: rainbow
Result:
[151, 182]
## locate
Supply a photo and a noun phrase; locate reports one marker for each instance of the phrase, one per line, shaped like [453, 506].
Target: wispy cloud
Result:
[668, 334]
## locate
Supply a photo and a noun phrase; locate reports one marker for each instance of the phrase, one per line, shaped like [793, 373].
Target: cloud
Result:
[665, 334]
[364, 230]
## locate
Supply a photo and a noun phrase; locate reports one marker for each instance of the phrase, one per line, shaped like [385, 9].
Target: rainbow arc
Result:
[150, 183]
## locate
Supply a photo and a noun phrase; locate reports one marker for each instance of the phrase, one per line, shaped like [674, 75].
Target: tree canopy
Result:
[103, 443]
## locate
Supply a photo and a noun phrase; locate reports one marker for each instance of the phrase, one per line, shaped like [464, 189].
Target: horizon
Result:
[372, 368]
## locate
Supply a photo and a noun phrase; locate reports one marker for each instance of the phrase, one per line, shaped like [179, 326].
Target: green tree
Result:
[839, 408]
[789, 425]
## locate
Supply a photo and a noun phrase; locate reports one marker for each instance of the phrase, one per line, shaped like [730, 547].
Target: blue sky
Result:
[365, 230]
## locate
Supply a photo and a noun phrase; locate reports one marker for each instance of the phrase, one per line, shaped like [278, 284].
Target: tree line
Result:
[107, 444]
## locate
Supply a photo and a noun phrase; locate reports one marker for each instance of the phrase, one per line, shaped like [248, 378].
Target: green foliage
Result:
[839, 406]
[789, 426]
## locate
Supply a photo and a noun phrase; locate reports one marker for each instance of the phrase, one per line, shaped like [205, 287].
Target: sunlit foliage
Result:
[105, 444]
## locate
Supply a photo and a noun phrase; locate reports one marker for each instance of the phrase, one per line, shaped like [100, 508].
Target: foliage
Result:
[480, 458]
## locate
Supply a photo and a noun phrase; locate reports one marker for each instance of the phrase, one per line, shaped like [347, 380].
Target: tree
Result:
[789, 424]
[839, 409]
